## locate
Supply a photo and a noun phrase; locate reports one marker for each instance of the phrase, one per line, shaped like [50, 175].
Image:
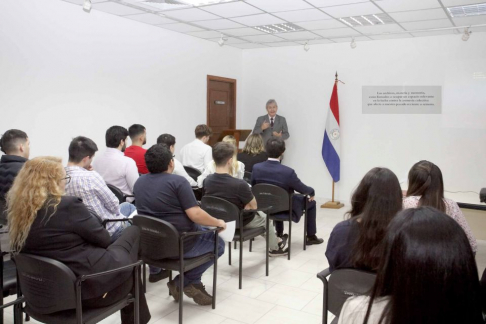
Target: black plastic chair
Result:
[247, 176]
[52, 292]
[119, 194]
[342, 284]
[192, 172]
[229, 212]
[8, 279]
[279, 202]
[162, 246]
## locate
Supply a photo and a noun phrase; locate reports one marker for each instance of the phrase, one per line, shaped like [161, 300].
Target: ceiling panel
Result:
[263, 38]
[151, 19]
[258, 20]
[205, 34]
[322, 24]
[81, 2]
[439, 23]
[279, 5]
[218, 24]
[229, 41]
[406, 5]
[298, 35]
[337, 32]
[379, 29]
[249, 45]
[303, 15]
[357, 9]
[454, 3]
[349, 39]
[281, 44]
[233, 9]
[316, 41]
[435, 33]
[467, 21]
[243, 32]
[180, 27]
[417, 15]
[330, 3]
[116, 9]
[391, 36]
[192, 14]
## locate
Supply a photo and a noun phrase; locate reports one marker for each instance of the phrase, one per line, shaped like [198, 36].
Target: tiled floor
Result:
[290, 294]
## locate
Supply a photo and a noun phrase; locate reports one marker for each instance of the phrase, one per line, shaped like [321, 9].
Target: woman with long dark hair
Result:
[356, 242]
[426, 188]
[427, 275]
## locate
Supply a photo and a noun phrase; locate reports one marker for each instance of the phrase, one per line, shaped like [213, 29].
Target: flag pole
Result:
[333, 204]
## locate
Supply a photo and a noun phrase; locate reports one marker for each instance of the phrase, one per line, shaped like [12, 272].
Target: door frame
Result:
[233, 101]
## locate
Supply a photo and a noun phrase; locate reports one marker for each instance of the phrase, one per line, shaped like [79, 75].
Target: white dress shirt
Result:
[211, 168]
[196, 154]
[179, 170]
[117, 169]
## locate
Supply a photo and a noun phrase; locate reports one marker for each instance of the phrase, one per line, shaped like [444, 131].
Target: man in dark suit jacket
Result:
[271, 124]
[272, 172]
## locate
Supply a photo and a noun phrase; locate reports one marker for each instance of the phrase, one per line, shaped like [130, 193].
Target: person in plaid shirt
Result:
[92, 189]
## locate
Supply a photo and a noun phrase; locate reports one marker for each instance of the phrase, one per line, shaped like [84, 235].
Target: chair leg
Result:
[229, 253]
[305, 228]
[215, 273]
[266, 250]
[1, 314]
[241, 264]
[251, 241]
[290, 238]
[144, 278]
[235, 244]
[181, 292]
[170, 279]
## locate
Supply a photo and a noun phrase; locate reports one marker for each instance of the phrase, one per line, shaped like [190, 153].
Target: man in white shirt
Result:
[113, 166]
[170, 141]
[198, 154]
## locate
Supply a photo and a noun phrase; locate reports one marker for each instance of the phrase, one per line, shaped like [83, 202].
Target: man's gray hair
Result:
[271, 101]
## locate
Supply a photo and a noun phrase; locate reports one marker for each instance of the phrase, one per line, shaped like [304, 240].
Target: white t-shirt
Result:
[196, 154]
[354, 310]
[211, 168]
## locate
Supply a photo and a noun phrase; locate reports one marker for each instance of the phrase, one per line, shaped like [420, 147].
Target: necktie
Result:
[271, 122]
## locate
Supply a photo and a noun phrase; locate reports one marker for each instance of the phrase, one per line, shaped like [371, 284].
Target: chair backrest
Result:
[118, 193]
[247, 176]
[222, 209]
[345, 283]
[158, 239]
[48, 285]
[192, 172]
[268, 195]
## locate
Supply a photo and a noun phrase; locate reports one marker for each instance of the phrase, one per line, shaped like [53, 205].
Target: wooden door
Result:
[221, 108]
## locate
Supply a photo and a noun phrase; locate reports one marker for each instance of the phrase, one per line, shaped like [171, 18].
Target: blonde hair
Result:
[254, 145]
[35, 187]
[232, 140]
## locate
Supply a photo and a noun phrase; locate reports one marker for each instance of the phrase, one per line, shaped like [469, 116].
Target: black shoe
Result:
[279, 252]
[283, 242]
[199, 294]
[311, 240]
[159, 276]
[174, 290]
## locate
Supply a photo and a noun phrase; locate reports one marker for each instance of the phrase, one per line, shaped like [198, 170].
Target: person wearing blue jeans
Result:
[126, 209]
[169, 197]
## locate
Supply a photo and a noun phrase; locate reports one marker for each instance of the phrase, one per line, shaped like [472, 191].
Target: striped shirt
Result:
[98, 198]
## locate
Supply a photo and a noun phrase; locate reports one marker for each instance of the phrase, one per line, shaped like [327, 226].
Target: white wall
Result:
[301, 82]
[65, 73]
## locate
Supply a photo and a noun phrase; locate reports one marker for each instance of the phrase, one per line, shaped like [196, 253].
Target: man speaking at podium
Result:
[271, 124]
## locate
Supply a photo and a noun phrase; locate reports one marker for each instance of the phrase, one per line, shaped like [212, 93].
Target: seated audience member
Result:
[272, 172]
[16, 146]
[138, 135]
[253, 152]
[223, 185]
[45, 222]
[170, 141]
[91, 188]
[197, 154]
[115, 168]
[357, 241]
[169, 197]
[237, 168]
[426, 188]
[427, 275]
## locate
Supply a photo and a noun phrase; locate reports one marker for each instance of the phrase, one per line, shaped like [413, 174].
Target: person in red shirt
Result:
[138, 135]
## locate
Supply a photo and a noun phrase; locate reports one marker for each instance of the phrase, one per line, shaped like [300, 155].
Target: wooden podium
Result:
[239, 134]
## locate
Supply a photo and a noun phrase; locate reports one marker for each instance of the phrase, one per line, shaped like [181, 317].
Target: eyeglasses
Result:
[67, 178]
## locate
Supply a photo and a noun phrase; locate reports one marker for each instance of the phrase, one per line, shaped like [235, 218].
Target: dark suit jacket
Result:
[272, 172]
[279, 125]
[76, 238]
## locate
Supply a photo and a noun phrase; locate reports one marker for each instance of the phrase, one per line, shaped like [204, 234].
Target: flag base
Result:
[332, 205]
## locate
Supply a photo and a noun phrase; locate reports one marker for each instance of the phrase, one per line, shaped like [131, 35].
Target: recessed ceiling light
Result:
[279, 28]
[367, 20]
[471, 10]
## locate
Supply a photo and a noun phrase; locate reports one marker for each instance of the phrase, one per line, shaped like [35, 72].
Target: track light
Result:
[353, 43]
[222, 40]
[466, 34]
[306, 46]
[87, 6]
